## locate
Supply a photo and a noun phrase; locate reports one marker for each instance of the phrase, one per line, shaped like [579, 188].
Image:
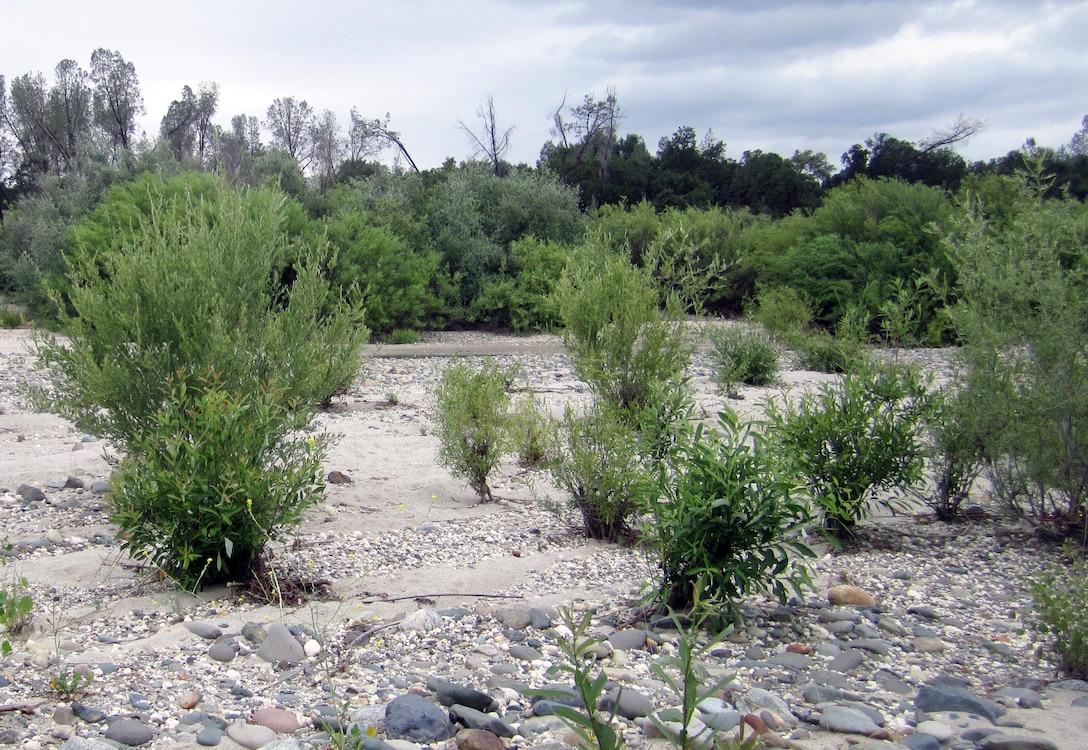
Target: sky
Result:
[761, 74]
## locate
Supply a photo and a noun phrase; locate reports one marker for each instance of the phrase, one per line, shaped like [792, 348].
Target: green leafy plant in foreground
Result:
[1061, 600]
[742, 354]
[16, 605]
[216, 476]
[593, 729]
[727, 519]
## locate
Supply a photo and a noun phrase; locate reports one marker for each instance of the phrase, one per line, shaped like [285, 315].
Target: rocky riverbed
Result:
[442, 615]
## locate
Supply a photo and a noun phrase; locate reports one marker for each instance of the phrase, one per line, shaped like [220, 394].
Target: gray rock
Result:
[1024, 697]
[223, 650]
[1010, 742]
[825, 694]
[1081, 686]
[1081, 702]
[938, 697]
[289, 743]
[518, 619]
[88, 714]
[129, 732]
[892, 683]
[923, 611]
[524, 653]
[450, 694]
[280, 645]
[413, 717]
[920, 741]
[840, 627]
[628, 639]
[473, 719]
[630, 704]
[888, 625]
[872, 645]
[422, 620]
[99, 487]
[82, 743]
[203, 630]
[936, 729]
[541, 618]
[254, 632]
[30, 494]
[847, 661]
[793, 661]
[847, 720]
[838, 615]
[209, 736]
[721, 721]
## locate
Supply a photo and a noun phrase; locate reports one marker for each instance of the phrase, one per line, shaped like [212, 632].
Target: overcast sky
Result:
[776, 76]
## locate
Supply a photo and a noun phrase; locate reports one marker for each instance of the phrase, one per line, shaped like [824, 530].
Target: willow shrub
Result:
[195, 321]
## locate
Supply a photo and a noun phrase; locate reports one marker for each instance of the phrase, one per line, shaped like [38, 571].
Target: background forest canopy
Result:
[483, 242]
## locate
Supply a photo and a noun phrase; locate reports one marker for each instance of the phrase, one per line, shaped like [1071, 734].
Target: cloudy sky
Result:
[776, 76]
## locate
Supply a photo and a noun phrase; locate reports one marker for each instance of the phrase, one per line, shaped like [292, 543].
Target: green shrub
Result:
[1061, 600]
[402, 336]
[471, 408]
[186, 293]
[727, 519]
[821, 351]
[742, 354]
[532, 432]
[618, 338]
[784, 312]
[216, 475]
[599, 465]
[852, 439]
[953, 452]
[1023, 301]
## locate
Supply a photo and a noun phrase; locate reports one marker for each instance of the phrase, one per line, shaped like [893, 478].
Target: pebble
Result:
[250, 736]
[129, 732]
[850, 595]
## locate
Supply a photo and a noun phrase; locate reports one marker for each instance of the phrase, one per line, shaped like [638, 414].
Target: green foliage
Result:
[953, 451]
[216, 474]
[853, 439]
[68, 683]
[1061, 600]
[598, 463]
[821, 351]
[398, 285]
[691, 683]
[471, 406]
[619, 340]
[402, 336]
[594, 731]
[185, 293]
[531, 432]
[727, 518]
[783, 312]
[742, 354]
[522, 296]
[1023, 301]
[16, 606]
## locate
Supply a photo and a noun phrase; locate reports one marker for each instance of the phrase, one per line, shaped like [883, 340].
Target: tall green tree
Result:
[117, 98]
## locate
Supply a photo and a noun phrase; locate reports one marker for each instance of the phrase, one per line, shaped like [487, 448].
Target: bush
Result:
[471, 407]
[726, 519]
[853, 439]
[821, 351]
[598, 464]
[784, 312]
[953, 452]
[619, 340]
[742, 354]
[532, 432]
[1061, 599]
[1023, 300]
[194, 290]
[16, 605]
[217, 474]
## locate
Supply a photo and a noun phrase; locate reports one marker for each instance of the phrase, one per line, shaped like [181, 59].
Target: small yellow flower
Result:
[402, 506]
[249, 502]
[310, 440]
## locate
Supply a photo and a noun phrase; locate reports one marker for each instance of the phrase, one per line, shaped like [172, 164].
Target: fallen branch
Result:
[432, 596]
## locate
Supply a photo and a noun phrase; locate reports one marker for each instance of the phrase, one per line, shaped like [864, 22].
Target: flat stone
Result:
[541, 618]
[413, 717]
[129, 732]
[223, 650]
[511, 617]
[847, 720]
[203, 630]
[847, 661]
[422, 620]
[1010, 742]
[936, 729]
[1024, 697]
[825, 694]
[279, 720]
[478, 739]
[872, 645]
[932, 698]
[928, 645]
[251, 736]
[628, 639]
[451, 694]
[473, 719]
[790, 660]
[630, 704]
[924, 611]
[920, 741]
[757, 699]
[852, 595]
[30, 493]
[209, 736]
[524, 653]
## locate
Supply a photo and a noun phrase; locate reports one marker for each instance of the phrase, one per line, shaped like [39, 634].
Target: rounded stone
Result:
[850, 595]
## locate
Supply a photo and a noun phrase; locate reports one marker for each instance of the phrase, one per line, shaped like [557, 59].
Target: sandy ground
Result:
[395, 479]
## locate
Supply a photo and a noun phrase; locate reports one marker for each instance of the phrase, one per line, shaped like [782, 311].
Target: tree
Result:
[291, 122]
[70, 111]
[489, 143]
[690, 173]
[328, 148]
[1078, 146]
[177, 125]
[235, 152]
[586, 139]
[958, 132]
[117, 98]
[207, 102]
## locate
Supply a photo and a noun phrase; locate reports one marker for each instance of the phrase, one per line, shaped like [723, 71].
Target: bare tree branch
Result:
[962, 129]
